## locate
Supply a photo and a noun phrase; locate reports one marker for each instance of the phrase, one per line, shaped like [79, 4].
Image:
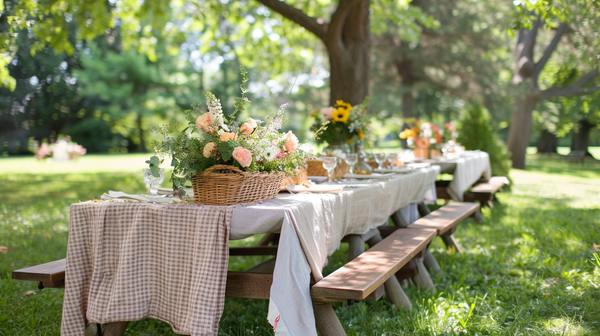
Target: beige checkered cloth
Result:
[129, 261]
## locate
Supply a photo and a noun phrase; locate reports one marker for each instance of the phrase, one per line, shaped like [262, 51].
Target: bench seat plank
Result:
[363, 275]
[446, 217]
[487, 188]
[53, 271]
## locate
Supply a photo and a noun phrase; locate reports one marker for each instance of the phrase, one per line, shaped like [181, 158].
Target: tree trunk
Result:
[142, 147]
[548, 142]
[581, 137]
[520, 129]
[349, 58]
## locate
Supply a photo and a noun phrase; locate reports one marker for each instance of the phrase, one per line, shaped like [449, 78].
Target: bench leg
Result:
[478, 216]
[356, 247]
[451, 242]
[392, 285]
[423, 280]
[115, 329]
[327, 321]
[430, 262]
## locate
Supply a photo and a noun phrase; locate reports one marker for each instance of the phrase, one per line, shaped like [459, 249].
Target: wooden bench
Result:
[444, 222]
[484, 193]
[576, 156]
[363, 276]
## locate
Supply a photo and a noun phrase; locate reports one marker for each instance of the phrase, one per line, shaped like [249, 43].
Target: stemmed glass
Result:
[391, 158]
[153, 182]
[351, 161]
[380, 159]
[329, 163]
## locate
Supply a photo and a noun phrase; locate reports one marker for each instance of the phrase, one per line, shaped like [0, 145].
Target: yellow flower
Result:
[361, 135]
[340, 114]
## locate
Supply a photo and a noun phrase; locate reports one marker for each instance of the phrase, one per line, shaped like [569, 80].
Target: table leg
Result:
[398, 219]
[422, 279]
[392, 286]
[423, 209]
[327, 321]
[115, 329]
[356, 246]
[430, 262]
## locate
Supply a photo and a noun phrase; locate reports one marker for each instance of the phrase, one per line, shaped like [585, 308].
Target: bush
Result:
[476, 132]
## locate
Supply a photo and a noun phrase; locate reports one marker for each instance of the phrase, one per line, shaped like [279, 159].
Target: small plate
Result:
[318, 179]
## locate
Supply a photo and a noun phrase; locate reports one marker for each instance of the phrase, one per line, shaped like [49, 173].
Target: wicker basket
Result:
[300, 178]
[315, 168]
[227, 185]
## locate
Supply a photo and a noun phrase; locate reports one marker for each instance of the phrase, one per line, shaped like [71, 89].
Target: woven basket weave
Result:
[227, 185]
[315, 168]
[299, 178]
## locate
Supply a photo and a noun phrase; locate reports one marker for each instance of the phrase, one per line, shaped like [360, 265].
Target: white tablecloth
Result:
[312, 226]
[469, 168]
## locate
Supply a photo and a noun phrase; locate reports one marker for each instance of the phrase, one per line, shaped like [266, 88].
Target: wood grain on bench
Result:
[52, 273]
[446, 217]
[366, 273]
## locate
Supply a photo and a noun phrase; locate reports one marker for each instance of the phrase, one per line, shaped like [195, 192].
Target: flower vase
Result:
[421, 153]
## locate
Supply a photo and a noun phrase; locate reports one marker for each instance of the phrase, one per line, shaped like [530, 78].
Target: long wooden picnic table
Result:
[311, 228]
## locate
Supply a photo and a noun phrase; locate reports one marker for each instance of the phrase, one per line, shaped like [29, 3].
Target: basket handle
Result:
[223, 168]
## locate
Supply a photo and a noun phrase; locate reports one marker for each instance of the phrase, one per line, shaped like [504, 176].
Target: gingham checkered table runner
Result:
[129, 261]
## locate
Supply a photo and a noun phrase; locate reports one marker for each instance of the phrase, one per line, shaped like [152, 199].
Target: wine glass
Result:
[380, 159]
[351, 161]
[153, 182]
[329, 163]
[391, 158]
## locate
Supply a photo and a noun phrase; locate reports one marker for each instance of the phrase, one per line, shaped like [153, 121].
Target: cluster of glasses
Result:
[382, 158]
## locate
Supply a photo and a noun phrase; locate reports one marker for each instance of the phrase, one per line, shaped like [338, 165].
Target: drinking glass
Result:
[329, 163]
[380, 159]
[153, 182]
[351, 161]
[391, 158]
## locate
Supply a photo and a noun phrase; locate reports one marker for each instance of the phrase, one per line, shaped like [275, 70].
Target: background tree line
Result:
[107, 72]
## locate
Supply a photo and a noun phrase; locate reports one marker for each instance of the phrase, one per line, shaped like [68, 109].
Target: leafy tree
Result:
[575, 23]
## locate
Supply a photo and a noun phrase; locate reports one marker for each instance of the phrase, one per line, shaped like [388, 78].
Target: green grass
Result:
[528, 270]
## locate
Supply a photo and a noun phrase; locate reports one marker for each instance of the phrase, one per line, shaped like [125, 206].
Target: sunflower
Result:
[340, 114]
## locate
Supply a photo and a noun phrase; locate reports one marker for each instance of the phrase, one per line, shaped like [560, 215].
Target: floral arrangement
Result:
[426, 135]
[341, 123]
[211, 138]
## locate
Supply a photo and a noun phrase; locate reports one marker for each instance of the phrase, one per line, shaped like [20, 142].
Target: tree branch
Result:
[562, 28]
[296, 15]
[573, 89]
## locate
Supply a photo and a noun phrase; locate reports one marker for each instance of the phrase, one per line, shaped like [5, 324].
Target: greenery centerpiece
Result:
[341, 124]
[211, 138]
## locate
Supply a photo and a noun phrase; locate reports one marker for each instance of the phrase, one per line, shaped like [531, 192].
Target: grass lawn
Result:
[528, 270]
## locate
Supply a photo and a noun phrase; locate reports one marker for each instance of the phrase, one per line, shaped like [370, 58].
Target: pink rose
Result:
[242, 156]
[209, 149]
[204, 121]
[227, 136]
[327, 112]
[252, 122]
[291, 142]
[247, 129]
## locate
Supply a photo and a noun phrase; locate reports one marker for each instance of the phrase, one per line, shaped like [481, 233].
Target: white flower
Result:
[271, 152]
[410, 142]
[433, 140]
[306, 148]
[220, 132]
[338, 153]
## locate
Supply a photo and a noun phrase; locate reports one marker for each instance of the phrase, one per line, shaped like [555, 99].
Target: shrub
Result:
[477, 132]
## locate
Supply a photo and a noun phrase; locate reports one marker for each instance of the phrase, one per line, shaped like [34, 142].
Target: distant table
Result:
[467, 169]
